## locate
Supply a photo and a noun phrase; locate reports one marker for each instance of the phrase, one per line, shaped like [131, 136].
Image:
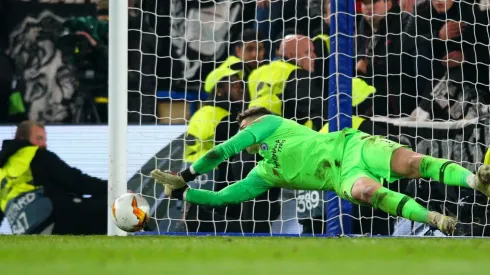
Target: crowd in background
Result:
[424, 59]
[54, 56]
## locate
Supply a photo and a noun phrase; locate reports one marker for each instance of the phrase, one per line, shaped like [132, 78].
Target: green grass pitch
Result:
[241, 255]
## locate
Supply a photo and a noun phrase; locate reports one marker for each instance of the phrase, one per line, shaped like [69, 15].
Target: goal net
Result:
[411, 70]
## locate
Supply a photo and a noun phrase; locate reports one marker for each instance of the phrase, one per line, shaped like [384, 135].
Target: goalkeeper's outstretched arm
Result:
[252, 134]
[249, 188]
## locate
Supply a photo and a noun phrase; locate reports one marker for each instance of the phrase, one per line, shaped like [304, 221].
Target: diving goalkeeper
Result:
[349, 162]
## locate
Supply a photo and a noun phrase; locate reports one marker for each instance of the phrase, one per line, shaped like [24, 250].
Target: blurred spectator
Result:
[211, 125]
[318, 15]
[452, 56]
[250, 49]
[40, 193]
[408, 6]
[275, 17]
[284, 86]
[194, 36]
[321, 43]
[248, 54]
[382, 62]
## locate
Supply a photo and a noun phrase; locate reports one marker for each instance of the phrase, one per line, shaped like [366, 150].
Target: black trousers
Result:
[75, 216]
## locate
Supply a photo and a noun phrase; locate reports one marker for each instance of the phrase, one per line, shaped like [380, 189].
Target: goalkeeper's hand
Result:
[174, 184]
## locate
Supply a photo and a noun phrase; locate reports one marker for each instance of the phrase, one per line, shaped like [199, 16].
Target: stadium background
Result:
[144, 141]
[466, 143]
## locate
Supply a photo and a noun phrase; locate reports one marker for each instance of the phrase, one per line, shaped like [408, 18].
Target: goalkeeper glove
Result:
[174, 184]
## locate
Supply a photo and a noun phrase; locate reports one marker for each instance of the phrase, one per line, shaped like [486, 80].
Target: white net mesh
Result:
[429, 62]
[420, 77]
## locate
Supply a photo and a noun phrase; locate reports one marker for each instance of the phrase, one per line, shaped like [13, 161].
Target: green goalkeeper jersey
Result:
[295, 157]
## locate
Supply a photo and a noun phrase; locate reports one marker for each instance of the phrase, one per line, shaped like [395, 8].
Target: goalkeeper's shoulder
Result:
[345, 131]
[249, 188]
[267, 119]
[264, 126]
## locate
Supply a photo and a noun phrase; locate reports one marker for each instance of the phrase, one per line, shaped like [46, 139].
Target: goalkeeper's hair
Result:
[253, 112]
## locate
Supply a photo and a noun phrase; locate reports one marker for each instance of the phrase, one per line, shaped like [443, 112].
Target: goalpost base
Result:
[332, 236]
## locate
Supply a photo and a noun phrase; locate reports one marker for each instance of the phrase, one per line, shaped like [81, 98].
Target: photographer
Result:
[84, 45]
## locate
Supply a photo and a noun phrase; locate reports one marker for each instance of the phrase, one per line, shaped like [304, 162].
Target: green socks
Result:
[444, 171]
[441, 170]
[398, 204]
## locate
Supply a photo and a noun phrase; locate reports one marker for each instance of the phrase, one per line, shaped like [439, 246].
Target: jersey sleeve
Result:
[249, 188]
[254, 133]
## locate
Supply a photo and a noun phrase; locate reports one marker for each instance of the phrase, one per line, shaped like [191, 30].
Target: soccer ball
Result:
[131, 212]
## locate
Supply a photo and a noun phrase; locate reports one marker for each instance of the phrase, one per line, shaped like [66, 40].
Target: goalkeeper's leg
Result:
[369, 191]
[408, 164]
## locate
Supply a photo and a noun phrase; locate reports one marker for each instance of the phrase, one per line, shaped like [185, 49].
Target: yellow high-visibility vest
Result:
[16, 176]
[201, 128]
[487, 157]
[326, 40]
[217, 74]
[266, 85]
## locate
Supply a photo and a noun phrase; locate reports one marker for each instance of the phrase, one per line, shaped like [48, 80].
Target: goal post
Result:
[118, 106]
[184, 40]
[342, 28]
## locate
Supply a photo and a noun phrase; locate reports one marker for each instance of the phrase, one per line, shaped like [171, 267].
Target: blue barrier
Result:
[192, 97]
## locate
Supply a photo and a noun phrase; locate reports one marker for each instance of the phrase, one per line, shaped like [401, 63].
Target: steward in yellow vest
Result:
[248, 55]
[284, 86]
[37, 189]
[217, 117]
[211, 125]
[215, 75]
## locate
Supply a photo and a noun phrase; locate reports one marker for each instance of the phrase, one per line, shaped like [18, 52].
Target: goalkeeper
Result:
[349, 162]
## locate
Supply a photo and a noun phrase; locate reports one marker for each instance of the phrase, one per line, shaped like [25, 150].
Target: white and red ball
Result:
[131, 212]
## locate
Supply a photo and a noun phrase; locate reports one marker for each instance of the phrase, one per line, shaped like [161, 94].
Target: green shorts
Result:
[365, 156]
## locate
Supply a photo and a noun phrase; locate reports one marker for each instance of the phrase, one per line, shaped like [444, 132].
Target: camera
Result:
[77, 48]
[88, 62]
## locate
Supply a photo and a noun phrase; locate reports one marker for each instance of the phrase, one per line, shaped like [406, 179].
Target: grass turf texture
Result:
[240, 255]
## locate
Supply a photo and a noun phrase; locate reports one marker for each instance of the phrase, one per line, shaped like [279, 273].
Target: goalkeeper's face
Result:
[253, 149]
